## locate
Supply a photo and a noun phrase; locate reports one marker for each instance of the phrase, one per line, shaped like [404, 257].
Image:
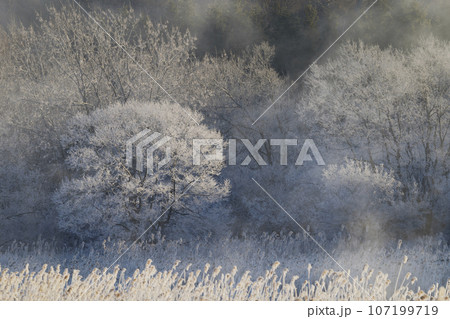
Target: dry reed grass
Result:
[208, 284]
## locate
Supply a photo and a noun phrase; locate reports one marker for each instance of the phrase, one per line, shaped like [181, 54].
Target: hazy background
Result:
[299, 29]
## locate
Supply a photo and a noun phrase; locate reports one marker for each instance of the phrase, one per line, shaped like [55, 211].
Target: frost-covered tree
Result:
[237, 89]
[106, 65]
[390, 107]
[104, 197]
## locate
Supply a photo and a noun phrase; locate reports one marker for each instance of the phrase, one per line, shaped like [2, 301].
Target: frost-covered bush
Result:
[104, 197]
[364, 199]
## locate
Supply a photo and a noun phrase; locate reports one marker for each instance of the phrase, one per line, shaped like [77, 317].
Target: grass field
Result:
[207, 284]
